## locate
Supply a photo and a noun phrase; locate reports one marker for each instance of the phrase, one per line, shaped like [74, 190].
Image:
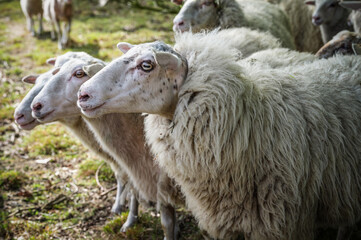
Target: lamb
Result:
[120, 135]
[331, 18]
[268, 152]
[56, 11]
[32, 8]
[196, 15]
[25, 120]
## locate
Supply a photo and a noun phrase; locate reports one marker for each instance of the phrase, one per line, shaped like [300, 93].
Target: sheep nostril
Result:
[19, 116]
[180, 23]
[37, 107]
[84, 97]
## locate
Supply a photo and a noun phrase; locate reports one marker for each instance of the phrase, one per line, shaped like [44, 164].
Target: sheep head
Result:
[57, 99]
[327, 12]
[145, 79]
[196, 15]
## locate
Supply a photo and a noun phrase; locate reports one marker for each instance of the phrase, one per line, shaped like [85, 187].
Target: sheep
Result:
[307, 36]
[196, 15]
[268, 152]
[26, 121]
[22, 113]
[32, 8]
[120, 135]
[56, 11]
[331, 18]
[345, 43]
[249, 41]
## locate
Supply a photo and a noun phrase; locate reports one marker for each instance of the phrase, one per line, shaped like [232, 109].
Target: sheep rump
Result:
[270, 153]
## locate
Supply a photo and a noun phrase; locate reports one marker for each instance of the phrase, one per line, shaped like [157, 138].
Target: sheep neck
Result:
[121, 135]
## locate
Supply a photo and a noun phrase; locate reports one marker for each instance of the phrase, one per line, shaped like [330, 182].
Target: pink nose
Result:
[83, 97]
[18, 116]
[37, 107]
[179, 23]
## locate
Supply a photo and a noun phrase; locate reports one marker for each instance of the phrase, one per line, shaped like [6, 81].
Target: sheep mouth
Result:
[92, 109]
[44, 116]
[25, 125]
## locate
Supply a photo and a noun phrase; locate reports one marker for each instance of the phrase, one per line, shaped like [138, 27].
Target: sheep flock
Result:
[251, 120]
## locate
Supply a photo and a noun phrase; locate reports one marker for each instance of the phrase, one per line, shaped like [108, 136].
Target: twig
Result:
[23, 209]
[97, 178]
[106, 192]
[60, 198]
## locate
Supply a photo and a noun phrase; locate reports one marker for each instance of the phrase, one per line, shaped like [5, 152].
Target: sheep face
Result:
[57, 99]
[326, 12]
[145, 79]
[22, 113]
[196, 15]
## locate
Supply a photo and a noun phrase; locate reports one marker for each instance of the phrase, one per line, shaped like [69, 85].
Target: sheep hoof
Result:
[118, 208]
[131, 220]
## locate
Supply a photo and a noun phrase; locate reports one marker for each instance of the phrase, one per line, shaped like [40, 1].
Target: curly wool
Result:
[270, 153]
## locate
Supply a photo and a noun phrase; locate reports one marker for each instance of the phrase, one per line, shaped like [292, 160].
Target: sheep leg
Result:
[40, 31]
[344, 233]
[118, 206]
[66, 31]
[58, 32]
[30, 25]
[169, 222]
[133, 214]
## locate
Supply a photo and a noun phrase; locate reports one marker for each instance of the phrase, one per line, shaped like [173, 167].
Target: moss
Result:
[50, 140]
[11, 180]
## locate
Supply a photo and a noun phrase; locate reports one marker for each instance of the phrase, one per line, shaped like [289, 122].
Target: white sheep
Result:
[120, 135]
[56, 11]
[307, 36]
[268, 152]
[196, 15]
[23, 117]
[32, 8]
[330, 16]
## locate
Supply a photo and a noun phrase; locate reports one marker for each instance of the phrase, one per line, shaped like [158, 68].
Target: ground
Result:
[47, 178]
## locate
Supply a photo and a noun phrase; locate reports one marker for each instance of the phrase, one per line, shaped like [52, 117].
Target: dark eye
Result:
[79, 73]
[146, 66]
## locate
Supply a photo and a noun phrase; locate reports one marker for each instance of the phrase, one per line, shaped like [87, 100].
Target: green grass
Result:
[11, 180]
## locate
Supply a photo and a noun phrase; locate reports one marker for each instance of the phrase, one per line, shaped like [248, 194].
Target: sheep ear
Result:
[356, 48]
[30, 79]
[92, 69]
[51, 61]
[310, 2]
[124, 47]
[167, 60]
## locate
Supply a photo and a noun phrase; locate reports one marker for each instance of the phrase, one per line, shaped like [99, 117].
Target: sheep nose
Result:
[317, 20]
[83, 97]
[179, 23]
[37, 107]
[18, 116]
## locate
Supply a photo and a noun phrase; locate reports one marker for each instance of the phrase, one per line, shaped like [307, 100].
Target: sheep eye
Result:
[332, 5]
[79, 73]
[146, 66]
